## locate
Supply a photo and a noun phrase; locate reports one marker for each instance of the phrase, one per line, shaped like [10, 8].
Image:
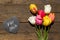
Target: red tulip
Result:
[41, 12]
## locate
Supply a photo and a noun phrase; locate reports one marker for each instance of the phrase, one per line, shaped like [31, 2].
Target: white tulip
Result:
[32, 19]
[47, 9]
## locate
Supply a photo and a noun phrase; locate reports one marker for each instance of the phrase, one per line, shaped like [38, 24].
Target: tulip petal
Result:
[46, 21]
[41, 12]
[52, 16]
[33, 8]
[32, 19]
[38, 20]
[47, 9]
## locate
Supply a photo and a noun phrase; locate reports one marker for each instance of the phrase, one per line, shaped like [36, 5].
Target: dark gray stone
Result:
[11, 25]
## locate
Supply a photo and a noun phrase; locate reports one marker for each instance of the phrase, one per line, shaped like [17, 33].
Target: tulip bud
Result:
[47, 9]
[41, 12]
[32, 19]
[52, 16]
[33, 8]
[46, 21]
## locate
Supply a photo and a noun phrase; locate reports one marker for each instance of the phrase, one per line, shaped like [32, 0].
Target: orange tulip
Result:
[52, 16]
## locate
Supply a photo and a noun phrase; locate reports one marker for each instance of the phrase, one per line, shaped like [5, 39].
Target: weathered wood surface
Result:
[27, 28]
[22, 12]
[31, 36]
[27, 32]
[20, 9]
[29, 1]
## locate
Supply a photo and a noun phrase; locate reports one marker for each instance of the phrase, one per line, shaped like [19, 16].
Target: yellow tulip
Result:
[33, 8]
[46, 21]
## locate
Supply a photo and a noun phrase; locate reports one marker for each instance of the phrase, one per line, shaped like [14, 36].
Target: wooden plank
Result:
[54, 36]
[35, 1]
[23, 28]
[27, 32]
[22, 12]
[25, 7]
[27, 28]
[5, 1]
[22, 16]
[29, 1]
[26, 1]
[53, 1]
[31, 36]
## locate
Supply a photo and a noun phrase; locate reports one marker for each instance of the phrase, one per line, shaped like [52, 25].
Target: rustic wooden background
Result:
[20, 9]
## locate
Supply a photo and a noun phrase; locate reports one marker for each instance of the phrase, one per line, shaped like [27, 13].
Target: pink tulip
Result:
[38, 20]
[41, 12]
[52, 16]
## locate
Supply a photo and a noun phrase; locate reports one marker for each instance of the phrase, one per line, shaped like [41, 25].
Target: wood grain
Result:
[35, 1]
[27, 28]
[54, 36]
[29, 1]
[31, 36]
[27, 32]
[20, 9]
[22, 17]
[53, 1]
[22, 12]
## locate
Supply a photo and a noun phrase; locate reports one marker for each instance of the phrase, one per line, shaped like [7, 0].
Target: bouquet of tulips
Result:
[41, 20]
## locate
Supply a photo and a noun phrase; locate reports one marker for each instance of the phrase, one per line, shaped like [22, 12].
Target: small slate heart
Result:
[11, 25]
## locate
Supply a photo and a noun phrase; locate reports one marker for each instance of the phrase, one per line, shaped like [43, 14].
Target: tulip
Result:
[32, 19]
[52, 16]
[46, 21]
[38, 20]
[41, 12]
[33, 8]
[47, 9]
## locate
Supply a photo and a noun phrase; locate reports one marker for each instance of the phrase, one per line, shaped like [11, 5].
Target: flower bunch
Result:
[41, 17]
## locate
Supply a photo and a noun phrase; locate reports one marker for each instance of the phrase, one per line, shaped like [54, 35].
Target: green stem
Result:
[38, 32]
[45, 34]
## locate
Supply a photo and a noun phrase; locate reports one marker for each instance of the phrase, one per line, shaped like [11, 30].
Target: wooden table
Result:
[20, 9]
